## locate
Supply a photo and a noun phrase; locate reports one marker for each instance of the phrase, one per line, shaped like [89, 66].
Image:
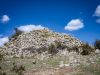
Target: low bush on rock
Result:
[52, 49]
[59, 45]
[55, 47]
[86, 49]
[17, 33]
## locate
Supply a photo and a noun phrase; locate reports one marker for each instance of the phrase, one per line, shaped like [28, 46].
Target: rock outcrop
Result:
[26, 44]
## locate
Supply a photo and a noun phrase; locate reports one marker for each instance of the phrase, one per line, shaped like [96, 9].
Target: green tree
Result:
[97, 44]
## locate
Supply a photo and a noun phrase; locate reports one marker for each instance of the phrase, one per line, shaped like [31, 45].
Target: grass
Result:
[92, 69]
[7, 64]
[51, 62]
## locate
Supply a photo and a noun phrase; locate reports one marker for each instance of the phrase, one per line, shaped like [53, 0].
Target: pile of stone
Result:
[27, 43]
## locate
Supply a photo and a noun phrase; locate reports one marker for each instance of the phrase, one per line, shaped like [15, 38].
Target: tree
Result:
[97, 44]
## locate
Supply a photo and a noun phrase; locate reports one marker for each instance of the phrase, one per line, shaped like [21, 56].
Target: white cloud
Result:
[5, 19]
[98, 20]
[3, 40]
[97, 11]
[74, 24]
[28, 28]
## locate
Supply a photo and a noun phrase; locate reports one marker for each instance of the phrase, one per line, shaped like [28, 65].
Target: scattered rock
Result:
[97, 51]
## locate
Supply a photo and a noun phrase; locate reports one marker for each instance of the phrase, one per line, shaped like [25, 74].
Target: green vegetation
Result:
[59, 45]
[92, 69]
[55, 47]
[75, 48]
[18, 69]
[17, 66]
[1, 55]
[97, 44]
[16, 34]
[87, 49]
[2, 72]
[52, 49]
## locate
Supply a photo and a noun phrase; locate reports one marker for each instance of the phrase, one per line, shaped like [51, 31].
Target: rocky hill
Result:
[26, 44]
[45, 52]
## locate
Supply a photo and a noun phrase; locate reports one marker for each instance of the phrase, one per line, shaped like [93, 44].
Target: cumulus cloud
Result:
[97, 11]
[74, 24]
[5, 19]
[3, 40]
[28, 28]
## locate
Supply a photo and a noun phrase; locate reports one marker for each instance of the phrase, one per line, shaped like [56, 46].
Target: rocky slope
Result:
[26, 44]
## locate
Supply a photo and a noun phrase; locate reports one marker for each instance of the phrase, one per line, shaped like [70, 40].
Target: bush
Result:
[2, 73]
[59, 45]
[17, 33]
[18, 69]
[41, 49]
[34, 62]
[97, 44]
[52, 49]
[75, 48]
[1, 55]
[20, 73]
[87, 49]
[55, 47]
[0, 68]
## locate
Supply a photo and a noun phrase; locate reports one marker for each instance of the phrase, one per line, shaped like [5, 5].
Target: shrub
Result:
[97, 44]
[41, 49]
[3, 73]
[18, 69]
[0, 68]
[46, 34]
[52, 49]
[34, 62]
[55, 47]
[75, 48]
[1, 55]
[59, 45]
[87, 49]
[20, 73]
[17, 33]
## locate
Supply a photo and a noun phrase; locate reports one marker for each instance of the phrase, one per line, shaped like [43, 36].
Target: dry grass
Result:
[50, 65]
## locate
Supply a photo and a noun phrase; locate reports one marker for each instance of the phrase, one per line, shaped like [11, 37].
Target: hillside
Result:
[45, 52]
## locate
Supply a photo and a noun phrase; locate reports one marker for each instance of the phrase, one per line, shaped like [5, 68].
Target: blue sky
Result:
[54, 14]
